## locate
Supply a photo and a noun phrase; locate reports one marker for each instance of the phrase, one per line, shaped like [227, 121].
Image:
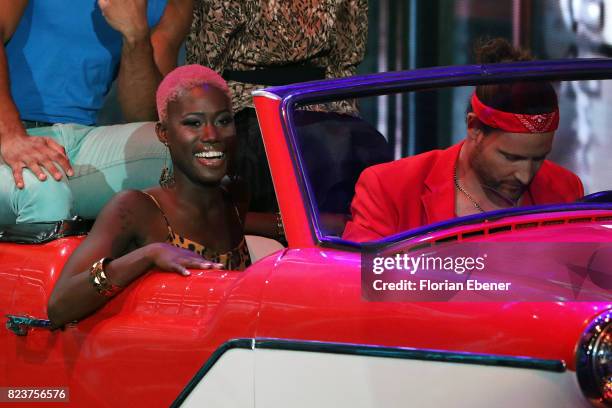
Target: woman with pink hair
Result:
[191, 221]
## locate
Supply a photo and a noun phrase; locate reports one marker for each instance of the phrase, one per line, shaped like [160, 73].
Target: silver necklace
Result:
[478, 207]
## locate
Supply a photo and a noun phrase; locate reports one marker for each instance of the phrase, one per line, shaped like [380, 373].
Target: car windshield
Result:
[337, 140]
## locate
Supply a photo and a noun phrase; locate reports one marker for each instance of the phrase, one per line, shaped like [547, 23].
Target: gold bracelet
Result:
[100, 281]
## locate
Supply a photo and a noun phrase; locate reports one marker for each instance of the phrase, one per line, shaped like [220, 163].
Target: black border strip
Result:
[43, 232]
[404, 353]
[412, 354]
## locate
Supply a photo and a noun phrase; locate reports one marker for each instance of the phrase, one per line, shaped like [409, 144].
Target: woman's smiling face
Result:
[200, 133]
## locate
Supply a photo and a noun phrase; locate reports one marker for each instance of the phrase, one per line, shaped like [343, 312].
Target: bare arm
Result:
[10, 125]
[116, 234]
[17, 149]
[264, 224]
[146, 55]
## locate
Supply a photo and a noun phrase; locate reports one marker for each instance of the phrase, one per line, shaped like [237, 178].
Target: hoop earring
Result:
[166, 179]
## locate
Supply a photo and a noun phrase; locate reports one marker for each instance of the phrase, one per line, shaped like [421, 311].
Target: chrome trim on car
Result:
[266, 94]
[21, 325]
[407, 353]
[595, 377]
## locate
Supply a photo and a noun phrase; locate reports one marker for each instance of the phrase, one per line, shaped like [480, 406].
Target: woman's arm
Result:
[117, 231]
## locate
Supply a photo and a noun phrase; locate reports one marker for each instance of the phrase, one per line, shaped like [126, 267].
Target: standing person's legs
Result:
[115, 158]
[105, 160]
[38, 201]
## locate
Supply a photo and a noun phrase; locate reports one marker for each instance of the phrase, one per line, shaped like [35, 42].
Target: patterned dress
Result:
[244, 35]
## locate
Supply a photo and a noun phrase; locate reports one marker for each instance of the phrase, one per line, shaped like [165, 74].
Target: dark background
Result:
[417, 34]
[410, 34]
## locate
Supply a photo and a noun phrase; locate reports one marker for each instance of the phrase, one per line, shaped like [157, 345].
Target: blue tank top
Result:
[63, 58]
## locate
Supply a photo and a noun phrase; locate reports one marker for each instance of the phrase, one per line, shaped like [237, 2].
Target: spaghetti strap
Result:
[160, 210]
[238, 214]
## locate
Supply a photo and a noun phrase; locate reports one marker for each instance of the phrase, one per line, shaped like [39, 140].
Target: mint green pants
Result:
[105, 159]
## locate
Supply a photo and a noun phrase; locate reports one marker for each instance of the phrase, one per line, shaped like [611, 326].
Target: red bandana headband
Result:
[515, 122]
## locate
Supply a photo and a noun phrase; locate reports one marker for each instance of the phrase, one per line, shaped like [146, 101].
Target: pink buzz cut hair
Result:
[182, 79]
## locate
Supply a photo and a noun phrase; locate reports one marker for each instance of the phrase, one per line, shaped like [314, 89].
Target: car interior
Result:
[334, 149]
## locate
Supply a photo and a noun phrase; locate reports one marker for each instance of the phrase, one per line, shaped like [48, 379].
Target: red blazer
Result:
[419, 190]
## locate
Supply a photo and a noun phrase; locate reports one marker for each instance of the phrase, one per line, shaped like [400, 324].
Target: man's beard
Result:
[505, 192]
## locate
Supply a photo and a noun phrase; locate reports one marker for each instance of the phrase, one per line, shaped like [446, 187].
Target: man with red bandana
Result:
[500, 164]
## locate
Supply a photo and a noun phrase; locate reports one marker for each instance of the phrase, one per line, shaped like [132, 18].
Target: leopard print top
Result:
[243, 35]
[236, 259]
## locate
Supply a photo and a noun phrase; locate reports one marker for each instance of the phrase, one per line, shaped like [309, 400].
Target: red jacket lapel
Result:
[439, 199]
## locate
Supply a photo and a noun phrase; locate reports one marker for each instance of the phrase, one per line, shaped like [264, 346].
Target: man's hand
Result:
[35, 153]
[129, 17]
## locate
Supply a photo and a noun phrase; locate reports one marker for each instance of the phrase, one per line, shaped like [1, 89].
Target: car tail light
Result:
[594, 360]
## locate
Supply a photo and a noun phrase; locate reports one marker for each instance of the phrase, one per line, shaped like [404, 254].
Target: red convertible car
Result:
[298, 328]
